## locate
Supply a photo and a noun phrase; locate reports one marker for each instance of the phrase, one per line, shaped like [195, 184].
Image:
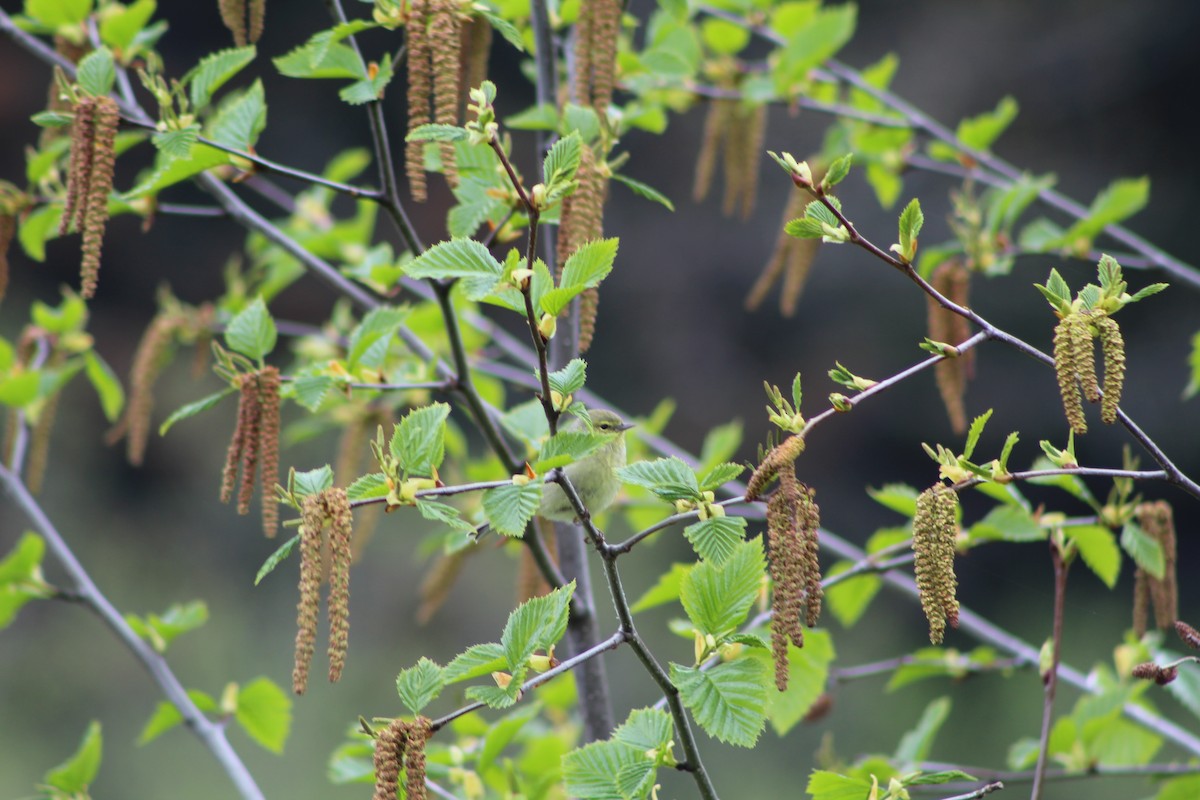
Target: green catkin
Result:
[337, 509]
[308, 607]
[1113, 346]
[934, 532]
[1085, 356]
[951, 279]
[1065, 360]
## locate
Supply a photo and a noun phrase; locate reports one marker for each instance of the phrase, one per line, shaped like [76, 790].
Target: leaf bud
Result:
[502, 679]
[840, 402]
[547, 326]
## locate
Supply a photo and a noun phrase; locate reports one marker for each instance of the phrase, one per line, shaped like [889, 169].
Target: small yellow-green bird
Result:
[594, 476]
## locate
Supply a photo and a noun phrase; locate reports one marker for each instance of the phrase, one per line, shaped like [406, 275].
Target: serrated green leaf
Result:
[1117, 202]
[808, 676]
[265, 713]
[214, 71]
[566, 447]
[645, 190]
[915, 745]
[569, 379]
[722, 36]
[443, 513]
[819, 37]
[668, 478]
[1098, 549]
[75, 774]
[494, 696]
[911, 222]
[367, 487]
[339, 61]
[194, 408]
[176, 143]
[252, 331]
[727, 701]
[602, 770]
[379, 323]
[509, 508]
[542, 117]
[1145, 551]
[436, 133]
[459, 258]
[57, 13]
[476, 661]
[837, 171]
[419, 440]
[313, 481]
[899, 497]
[646, 729]
[96, 72]
[560, 164]
[105, 382]
[537, 624]
[369, 88]
[310, 391]
[976, 430]
[36, 229]
[717, 597]
[589, 264]
[719, 475]
[52, 119]
[717, 538]
[283, 551]
[170, 171]
[938, 778]
[419, 685]
[824, 785]
[240, 119]
[1008, 523]
[502, 26]
[120, 25]
[161, 630]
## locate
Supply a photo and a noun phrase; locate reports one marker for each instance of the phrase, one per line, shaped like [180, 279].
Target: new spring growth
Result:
[482, 129]
[330, 506]
[782, 413]
[1085, 318]
[255, 439]
[935, 531]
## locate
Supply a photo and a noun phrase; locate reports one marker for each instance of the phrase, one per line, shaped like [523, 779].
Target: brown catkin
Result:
[253, 441]
[1113, 346]
[1189, 635]
[582, 220]
[237, 442]
[151, 356]
[420, 92]
[781, 456]
[337, 508]
[1141, 602]
[732, 158]
[788, 565]
[414, 758]
[256, 13]
[1157, 520]
[934, 532]
[39, 445]
[951, 279]
[753, 120]
[99, 185]
[444, 41]
[390, 744]
[790, 260]
[606, 27]
[308, 607]
[79, 166]
[1065, 360]
[233, 16]
[268, 446]
[716, 123]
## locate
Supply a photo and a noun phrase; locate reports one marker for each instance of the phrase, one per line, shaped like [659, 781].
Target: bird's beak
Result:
[624, 426]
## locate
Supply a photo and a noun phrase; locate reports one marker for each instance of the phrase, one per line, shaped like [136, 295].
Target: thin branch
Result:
[211, 734]
[980, 792]
[1058, 775]
[1051, 678]
[842, 674]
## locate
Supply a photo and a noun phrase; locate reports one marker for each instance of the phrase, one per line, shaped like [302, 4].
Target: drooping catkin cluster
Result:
[255, 441]
[792, 539]
[1075, 364]
[952, 280]
[780, 456]
[244, 19]
[332, 506]
[1156, 519]
[56, 100]
[89, 181]
[582, 220]
[595, 53]
[174, 322]
[434, 45]
[736, 131]
[935, 529]
[790, 261]
[401, 744]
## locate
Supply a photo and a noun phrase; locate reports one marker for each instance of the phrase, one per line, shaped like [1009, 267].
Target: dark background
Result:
[1106, 88]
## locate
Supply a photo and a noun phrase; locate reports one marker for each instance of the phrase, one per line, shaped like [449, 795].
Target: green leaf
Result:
[444, 513]
[476, 661]
[976, 430]
[194, 408]
[720, 475]
[717, 538]
[120, 25]
[509, 508]
[419, 685]
[722, 36]
[265, 713]
[22, 562]
[75, 774]
[899, 497]
[646, 729]
[170, 171]
[978, 132]
[313, 481]
[252, 331]
[537, 624]
[645, 190]
[1098, 549]
[569, 379]
[589, 264]
[436, 133]
[915, 745]
[728, 701]
[310, 391]
[501, 26]
[542, 117]
[177, 620]
[283, 551]
[668, 478]
[52, 119]
[566, 447]
[665, 590]
[419, 440]
[176, 143]
[824, 785]
[717, 597]
[96, 72]
[1145, 551]
[378, 324]
[823, 35]
[36, 229]
[107, 385]
[369, 88]
[167, 716]
[837, 171]
[58, 13]
[808, 675]
[1009, 523]
[607, 770]
[214, 71]
[332, 60]
[1116, 203]
[560, 164]
[938, 778]
[911, 222]
[459, 258]
[17, 390]
[368, 486]
[849, 599]
[494, 696]
[720, 444]
[240, 119]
